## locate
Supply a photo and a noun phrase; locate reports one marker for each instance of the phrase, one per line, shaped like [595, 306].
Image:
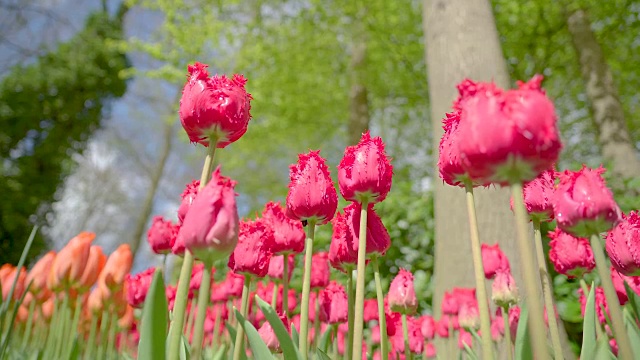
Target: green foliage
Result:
[523, 350]
[48, 110]
[589, 327]
[153, 328]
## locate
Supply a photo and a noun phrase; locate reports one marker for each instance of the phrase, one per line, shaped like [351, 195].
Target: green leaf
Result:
[14, 313]
[470, 352]
[523, 349]
[294, 335]
[75, 351]
[633, 331]
[322, 355]
[588, 351]
[232, 336]
[324, 340]
[23, 257]
[259, 349]
[289, 349]
[219, 355]
[634, 301]
[185, 353]
[153, 328]
[603, 350]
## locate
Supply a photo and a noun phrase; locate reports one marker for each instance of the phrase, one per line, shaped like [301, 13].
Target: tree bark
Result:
[147, 206]
[607, 113]
[461, 41]
[358, 101]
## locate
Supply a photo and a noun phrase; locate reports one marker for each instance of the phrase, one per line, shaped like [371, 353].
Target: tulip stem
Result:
[405, 333]
[585, 290]
[547, 291]
[68, 346]
[382, 320]
[180, 304]
[104, 322]
[285, 285]
[358, 318]
[113, 329]
[62, 325]
[27, 332]
[91, 343]
[481, 291]
[617, 323]
[244, 306]
[316, 320]
[507, 332]
[203, 301]
[351, 300]
[274, 297]
[303, 341]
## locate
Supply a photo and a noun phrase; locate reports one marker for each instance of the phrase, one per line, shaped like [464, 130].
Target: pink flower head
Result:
[430, 351]
[188, 195]
[509, 136]
[311, 193]
[365, 171]
[268, 335]
[342, 253]
[370, 309]
[210, 229]
[289, 234]
[514, 318]
[320, 270]
[469, 315]
[428, 327]
[449, 161]
[196, 278]
[494, 260]
[618, 283]
[333, 304]
[503, 290]
[601, 302]
[162, 235]
[416, 340]
[538, 194]
[570, 255]
[253, 253]
[276, 267]
[378, 239]
[623, 245]
[497, 327]
[449, 304]
[232, 285]
[137, 286]
[170, 291]
[402, 295]
[464, 338]
[582, 203]
[442, 326]
[214, 107]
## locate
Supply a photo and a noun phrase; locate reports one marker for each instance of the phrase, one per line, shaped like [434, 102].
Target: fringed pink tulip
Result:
[311, 193]
[570, 256]
[469, 316]
[464, 339]
[449, 305]
[416, 340]
[365, 171]
[319, 270]
[214, 107]
[430, 351]
[162, 235]
[497, 328]
[342, 253]
[137, 286]
[378, 239]
[188, 195]
[582, 203]
[623, 245]
[210, 229]
[601, 302]
[538, 194]
[449, 160]
[276, 267]
[618, 283]
[402, 295]
[504, 292]
[253, 252]
[288, 233]
[494, 260]
[428, 327]
[268, 335]
[333, 304]
[370, 310]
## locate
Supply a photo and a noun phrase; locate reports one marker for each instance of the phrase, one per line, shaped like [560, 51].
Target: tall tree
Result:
[48, 110]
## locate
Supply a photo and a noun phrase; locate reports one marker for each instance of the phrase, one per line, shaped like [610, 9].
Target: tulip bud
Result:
[468, 316]
[288, 233]
[188, 195]
[378, 239]
[311, 193]
[137, 287]
[428, 327]
[497, 327]
[494, 260]
[430, 351]
[416, 340]
[402, 295]
[464, 339]
[570, 255]
[210, 229]
[504, 292]
[449, 160]
[37, 276]
[116, 268]
[8, 275]
[370, 310]
[619, 280]
[276, 267]
[253, 252]
[216, 107]
[268, 335]
[365, 171]
[162, 235]
[333, 304]
[623, 243]
[538, 194]
[582, 203]
[95, 263]
[68, 266]
[342, 253]
[320, 270]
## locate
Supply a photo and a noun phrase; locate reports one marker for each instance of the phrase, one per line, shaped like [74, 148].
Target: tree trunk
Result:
[461, 41]
[607, 113]
[147, 206]
[358, 101]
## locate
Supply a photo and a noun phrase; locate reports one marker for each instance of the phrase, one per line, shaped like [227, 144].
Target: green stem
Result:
[358, 318]
[405, 333]
[617, 323]
[62, 326]
[274, 297]
[531, 279]
[91, 344]
[103, 334]
[351, 300]
[316, 320]
[334, 347]
[216, 335]
[547, 291]
[285, 284]
[52, 325]
[382, 320]
[507, 332]
[111, 342]
[585, 290]
[306, 288]
[452, 340]
[68, 346]
[27, 332]
[481, 290]
[180, 305]
[203, 302]
[190, 319]
[244, 305]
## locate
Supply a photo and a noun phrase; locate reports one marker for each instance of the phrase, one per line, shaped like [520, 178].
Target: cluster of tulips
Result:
[79, 303]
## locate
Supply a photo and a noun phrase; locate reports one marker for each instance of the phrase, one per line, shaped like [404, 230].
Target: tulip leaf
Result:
[74, 350]
[588, 351]
[603, 350]
[185, 354]
[219, 355]
[289, 349]
[634, 301]
[295, 336]
[23, 258]
[472, 355]
[523, 350]
[259, 349]
[324, 340]
[153, 328]
[14, 313]
[322, 355]
[633, 332]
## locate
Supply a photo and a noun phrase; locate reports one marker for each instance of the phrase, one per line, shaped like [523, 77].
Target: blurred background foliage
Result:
[301, 59]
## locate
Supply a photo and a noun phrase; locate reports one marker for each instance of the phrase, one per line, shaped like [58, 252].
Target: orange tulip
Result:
[126, 321]
[47, 308]
[95, 264]
[38, 275]
[69, 265]
[8, 274]
[118, 265]
[94, 302]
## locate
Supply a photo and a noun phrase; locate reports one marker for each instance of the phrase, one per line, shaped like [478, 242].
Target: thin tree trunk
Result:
[358, 101]
[607, 113]
[147, 206]
[461, 41]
